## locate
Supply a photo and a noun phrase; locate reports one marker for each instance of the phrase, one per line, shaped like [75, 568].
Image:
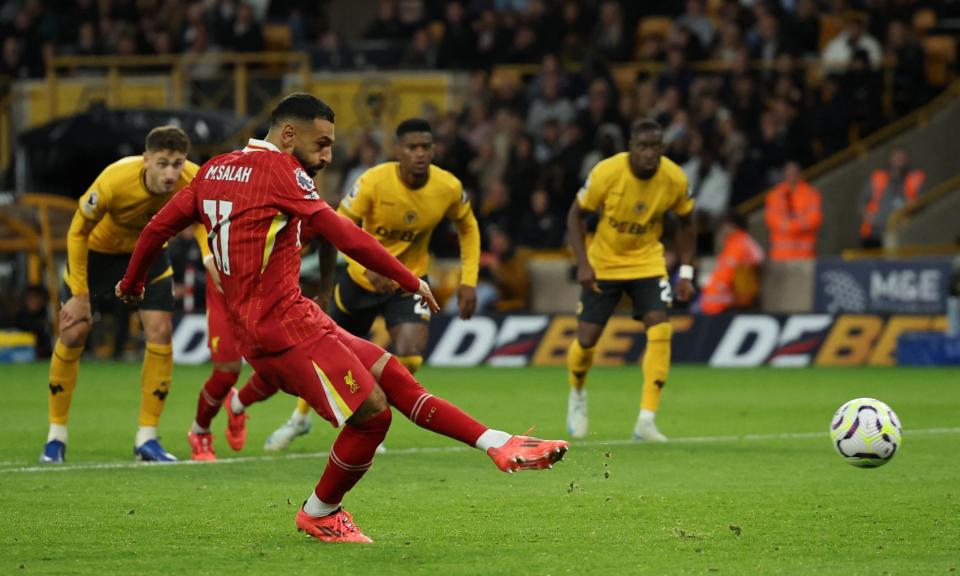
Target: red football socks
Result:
[426, 410]
[212, 395]
[351, 456]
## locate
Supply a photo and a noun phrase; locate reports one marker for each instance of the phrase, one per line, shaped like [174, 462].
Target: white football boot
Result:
[577, 423]
[284, 435]
[645, 430]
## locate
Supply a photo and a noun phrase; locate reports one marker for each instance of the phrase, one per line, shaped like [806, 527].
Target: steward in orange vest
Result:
[887, 191]
[734, 281]
[793, 216]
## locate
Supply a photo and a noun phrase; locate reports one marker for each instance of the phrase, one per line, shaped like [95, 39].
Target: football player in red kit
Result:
[254, 203]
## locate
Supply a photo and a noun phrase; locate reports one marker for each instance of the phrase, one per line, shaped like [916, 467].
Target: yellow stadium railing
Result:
[910, 251]
[37, 238]
[901, 217]
[178, 69]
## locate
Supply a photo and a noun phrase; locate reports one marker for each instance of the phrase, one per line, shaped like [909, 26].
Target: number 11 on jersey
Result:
[218, 211]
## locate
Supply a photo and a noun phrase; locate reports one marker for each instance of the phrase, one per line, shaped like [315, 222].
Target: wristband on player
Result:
[686, 272]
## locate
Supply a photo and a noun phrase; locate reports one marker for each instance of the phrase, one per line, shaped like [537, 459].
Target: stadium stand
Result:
[526, 96]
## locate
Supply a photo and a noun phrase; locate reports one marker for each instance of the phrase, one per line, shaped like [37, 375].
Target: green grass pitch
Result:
[749, 484]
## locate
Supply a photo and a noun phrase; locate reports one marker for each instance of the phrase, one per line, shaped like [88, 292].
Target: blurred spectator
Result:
[548, 143]
[609, 141]
[522, 171]
[675, 74]
[386, 25]
[696, 21]
[863, 88]
[366, 156]
[494, 207]
[458, 44]
[767, 40]
[806, 28]
[831, 118]
[734, 282]
[909, 74]
[541, 226]
[421, 53]
[611, 37]
[32, 318]
[246, 34]
[330, 54]
[709, 186]
[600, 108]
[840, 51]
[708, 180]
[87, 43]
[887, 191]
[793, 216]
[549, 106]
[501, 270]
[13, 64]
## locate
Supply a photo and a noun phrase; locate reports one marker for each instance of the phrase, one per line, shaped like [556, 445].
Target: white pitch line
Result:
[442, 449]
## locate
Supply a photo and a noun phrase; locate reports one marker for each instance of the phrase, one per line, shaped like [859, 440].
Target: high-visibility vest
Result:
[879, 181]
[739, 252]
[793, 217]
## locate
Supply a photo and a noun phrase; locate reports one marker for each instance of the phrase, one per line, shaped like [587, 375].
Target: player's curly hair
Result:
[301, 106]
[168, 137]
[413, 125]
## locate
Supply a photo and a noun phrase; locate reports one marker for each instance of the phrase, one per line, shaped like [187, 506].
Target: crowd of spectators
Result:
[523, 144]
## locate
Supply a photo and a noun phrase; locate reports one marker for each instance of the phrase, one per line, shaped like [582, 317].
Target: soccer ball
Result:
[866, 432]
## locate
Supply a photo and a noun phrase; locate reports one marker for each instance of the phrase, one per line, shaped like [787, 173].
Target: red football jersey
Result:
[254, 203]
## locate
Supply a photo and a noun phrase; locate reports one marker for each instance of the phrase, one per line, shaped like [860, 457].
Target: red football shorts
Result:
[220, 340]
[330, 370]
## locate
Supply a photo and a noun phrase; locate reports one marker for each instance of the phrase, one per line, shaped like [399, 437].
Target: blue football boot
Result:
[152, 451]
[54, 452]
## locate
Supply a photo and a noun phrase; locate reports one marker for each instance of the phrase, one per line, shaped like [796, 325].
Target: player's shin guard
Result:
[64, 367]
[411, 363]
[212, 395]
[155, 382]
[351, 456]
[426, 410]
[256, 390]
[579, 361]
[303, 409]
[656, 365]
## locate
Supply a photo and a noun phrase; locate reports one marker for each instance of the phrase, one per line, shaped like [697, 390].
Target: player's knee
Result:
[651, 319]
[159, 329]
[374, 404]
[76, 335]
[588, 335]
[231, 367]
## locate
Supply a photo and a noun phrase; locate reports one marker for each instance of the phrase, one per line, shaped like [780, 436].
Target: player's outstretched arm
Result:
[364, 248]
[179, 213]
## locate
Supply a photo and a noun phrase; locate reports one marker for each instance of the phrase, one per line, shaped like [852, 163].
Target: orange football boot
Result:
[336, 527]
[201, 447]
[527, 453]
[236, 423]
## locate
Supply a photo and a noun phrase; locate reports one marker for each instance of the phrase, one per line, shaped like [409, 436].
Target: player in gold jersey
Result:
[400, 203]
[102, 237]
[632, 191]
